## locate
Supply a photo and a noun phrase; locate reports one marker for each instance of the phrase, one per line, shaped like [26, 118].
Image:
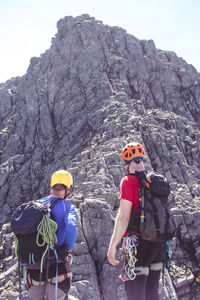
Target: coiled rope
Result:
[47, 230]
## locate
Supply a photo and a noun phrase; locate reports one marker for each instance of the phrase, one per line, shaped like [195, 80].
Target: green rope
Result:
[47, 229]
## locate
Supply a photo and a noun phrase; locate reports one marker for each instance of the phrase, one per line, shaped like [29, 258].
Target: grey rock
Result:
[96, 89]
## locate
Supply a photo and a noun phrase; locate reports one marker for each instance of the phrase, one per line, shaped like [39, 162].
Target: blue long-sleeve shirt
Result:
[64, 214]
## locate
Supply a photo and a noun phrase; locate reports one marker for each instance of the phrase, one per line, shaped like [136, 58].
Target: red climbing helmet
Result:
[132, 151]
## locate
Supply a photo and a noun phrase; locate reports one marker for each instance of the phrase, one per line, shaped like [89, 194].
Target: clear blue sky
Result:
[27, 26]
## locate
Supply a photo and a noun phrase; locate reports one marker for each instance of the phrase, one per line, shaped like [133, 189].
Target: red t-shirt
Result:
[129, 190]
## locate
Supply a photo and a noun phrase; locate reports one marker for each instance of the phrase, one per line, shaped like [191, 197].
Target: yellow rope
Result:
[47, 229]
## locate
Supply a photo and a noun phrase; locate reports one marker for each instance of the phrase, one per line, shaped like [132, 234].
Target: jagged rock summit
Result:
[96, 89]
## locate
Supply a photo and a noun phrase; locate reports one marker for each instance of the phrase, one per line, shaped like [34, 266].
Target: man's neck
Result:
[58, 194]
[133, 169]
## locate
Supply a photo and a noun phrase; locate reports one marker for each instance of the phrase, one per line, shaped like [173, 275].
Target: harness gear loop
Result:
[129, 248]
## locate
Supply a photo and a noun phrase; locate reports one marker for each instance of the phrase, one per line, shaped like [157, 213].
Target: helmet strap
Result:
[66, 192]
[127, 167]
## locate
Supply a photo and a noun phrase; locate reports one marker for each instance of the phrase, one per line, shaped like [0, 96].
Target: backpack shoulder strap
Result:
[48, 205]
[142, 176]
[56, 200]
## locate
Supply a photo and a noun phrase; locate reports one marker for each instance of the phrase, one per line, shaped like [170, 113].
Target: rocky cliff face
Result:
[96, 89]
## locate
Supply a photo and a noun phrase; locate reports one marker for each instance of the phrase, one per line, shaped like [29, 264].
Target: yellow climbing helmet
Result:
[62, 177]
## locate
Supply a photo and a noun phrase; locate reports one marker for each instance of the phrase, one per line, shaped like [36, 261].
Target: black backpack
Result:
[35, 236]
[151, 219]
[31, 223]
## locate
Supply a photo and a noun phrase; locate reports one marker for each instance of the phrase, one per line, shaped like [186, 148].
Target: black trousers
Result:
[146, 287]
[143, 287]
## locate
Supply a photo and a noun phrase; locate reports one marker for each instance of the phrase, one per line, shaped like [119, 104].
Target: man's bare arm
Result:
[121, 224]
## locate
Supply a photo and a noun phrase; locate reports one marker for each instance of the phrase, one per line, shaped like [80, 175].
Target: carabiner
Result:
[124, 276]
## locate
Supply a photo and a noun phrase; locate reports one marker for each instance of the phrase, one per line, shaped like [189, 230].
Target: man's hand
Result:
[112, 256]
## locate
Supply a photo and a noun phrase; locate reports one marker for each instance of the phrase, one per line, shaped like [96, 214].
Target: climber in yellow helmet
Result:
[64, 214]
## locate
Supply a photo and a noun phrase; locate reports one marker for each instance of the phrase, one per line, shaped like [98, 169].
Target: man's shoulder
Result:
[64, 205]
[130, 179]
[61, 203]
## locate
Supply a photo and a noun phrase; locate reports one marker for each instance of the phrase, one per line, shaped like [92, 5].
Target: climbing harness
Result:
[129, 248]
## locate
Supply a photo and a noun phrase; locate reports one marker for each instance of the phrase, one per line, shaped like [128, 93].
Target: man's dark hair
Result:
[59, 187]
